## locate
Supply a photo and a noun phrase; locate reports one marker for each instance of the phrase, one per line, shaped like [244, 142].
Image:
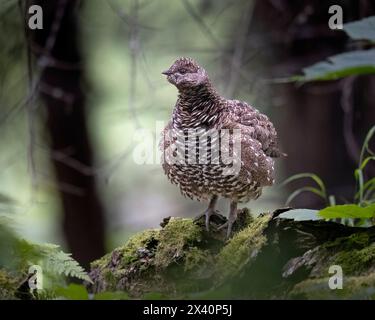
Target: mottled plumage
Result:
[199, 107]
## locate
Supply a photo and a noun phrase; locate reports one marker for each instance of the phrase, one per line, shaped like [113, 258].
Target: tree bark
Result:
[60, 86]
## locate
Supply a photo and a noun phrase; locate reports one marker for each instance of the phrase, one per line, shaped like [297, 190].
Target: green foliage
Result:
[365, 189]
[349, 63]
[348, 214]
[17, 255]
[341, 65]
[79, 292]
[320, 191]
[72, 292]
[154, 296]
[348, 211]
[107, 295]
[362, 208]
[61, 263]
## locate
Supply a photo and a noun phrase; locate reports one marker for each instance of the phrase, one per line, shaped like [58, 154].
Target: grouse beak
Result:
[167, 72]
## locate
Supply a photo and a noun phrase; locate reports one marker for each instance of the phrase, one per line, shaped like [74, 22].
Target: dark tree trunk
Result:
[60, 87]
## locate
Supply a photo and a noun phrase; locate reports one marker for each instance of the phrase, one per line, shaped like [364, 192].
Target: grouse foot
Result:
[209, 212]
[231, 219]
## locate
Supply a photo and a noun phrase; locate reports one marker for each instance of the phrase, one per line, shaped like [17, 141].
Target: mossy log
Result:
[267, 257]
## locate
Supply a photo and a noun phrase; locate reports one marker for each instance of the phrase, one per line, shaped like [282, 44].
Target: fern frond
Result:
[58, 262]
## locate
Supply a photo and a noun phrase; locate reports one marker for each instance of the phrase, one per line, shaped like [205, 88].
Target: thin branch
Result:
[189, 8]
[239, 49]
[208, 32]
[129, 19]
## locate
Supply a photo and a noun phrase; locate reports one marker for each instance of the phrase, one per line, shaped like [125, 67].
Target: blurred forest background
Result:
[73, 94]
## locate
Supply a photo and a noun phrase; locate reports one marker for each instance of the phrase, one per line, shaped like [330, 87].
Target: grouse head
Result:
[185, 73]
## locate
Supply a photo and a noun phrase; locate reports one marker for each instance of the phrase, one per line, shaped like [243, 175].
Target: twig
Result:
[189, 8]
[129, 19]
[206, 30]
[239, 49]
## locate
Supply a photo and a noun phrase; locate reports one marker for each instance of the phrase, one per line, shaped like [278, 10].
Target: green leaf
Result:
[321, 193]
[341, 65]
[362, 29]
[301, 215]
[368, 194]
[365, 146]
[73, 292]
[348, 211]
[59, 262]
[111, 296]
[313, 176]
[367, 186]
[295, 193]
[366, 161]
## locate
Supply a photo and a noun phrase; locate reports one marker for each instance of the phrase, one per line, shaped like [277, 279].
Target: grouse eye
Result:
[183, 71]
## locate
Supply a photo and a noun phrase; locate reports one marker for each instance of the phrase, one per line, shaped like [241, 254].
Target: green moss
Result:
[196, 258]
[354, 253]
[175, 239]
[147, 239]
[122, 268]
[356, 240]
[141, 264]
[356, 261]
[182, 259]
[243, 247]
[129, 253]
[360, 287]
[101, 262]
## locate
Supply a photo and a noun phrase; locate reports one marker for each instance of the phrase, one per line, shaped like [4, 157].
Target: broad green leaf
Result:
[348, 211]
[73, 292]
[341, 65]
[362, 29]
[301, 215]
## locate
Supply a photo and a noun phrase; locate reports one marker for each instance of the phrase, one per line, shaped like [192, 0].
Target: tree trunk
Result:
[61, 88]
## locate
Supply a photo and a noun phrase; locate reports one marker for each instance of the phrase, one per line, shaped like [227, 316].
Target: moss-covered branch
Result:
[268, 257]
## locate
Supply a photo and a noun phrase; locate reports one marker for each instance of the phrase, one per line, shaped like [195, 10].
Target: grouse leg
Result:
[209, 212]
[231, 219]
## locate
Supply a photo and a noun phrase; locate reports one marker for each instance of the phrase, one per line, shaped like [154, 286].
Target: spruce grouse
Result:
[200, 122]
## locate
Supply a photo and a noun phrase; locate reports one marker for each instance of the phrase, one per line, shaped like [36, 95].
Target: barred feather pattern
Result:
[203, 109]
